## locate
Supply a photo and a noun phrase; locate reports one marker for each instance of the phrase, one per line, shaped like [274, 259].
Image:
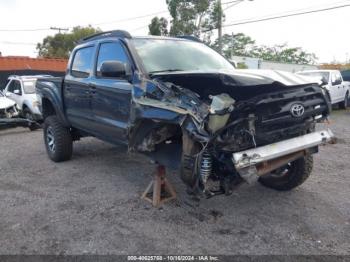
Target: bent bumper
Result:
[14, 122]
[281, 152]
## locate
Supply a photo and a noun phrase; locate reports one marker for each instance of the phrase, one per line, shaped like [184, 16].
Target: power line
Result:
[95, 24]
[304, 9]
[59, 29]
[231, 2]
[16, 43]
[220, 18]
[287, 15]
[131, 18]
[24, 30]
[234, 4]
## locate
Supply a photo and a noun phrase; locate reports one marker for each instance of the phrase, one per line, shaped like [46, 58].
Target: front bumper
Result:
[256, 161]
[6, 123]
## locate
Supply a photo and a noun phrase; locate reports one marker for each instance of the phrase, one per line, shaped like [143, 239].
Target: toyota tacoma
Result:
[181, 103]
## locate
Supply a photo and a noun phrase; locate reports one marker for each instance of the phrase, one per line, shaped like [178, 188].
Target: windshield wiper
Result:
[165, 70]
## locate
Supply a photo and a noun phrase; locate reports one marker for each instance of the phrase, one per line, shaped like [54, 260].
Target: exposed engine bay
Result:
[9, 115]
[7, 107]
[199, 120]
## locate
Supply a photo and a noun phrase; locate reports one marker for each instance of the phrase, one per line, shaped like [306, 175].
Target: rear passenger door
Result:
[111, 97]
[77, 88]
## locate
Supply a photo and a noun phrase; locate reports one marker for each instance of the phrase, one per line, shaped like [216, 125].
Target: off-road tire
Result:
[345, 103]
[299, 171]
[62, 140]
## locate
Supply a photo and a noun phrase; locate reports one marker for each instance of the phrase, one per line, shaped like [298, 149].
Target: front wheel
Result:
[29, 116]
[344, 104]
[58, 140]
[289, 176]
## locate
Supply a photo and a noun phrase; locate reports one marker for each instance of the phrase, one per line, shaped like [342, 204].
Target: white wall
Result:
[256, 63]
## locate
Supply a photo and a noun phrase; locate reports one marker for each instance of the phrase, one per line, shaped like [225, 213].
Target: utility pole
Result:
[59, 29]
[233, 3]
[220, 27]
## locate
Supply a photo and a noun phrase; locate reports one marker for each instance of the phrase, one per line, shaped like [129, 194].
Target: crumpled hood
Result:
[248, 77]
[6, 103]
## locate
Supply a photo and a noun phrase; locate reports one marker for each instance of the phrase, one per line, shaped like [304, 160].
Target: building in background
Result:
[257, 63]
[22, 65]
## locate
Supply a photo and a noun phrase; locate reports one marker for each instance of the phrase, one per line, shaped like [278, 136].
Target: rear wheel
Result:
[58, 140]
[345, 103]
[289, 176]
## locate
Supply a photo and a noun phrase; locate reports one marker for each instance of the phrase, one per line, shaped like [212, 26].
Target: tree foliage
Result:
[283, 53]
[60, 45]
[158, 26]
[235, 45]
[200, 17]
[243, 45]
[188, 17]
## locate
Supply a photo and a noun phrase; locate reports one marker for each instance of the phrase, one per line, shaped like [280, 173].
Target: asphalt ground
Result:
[92, 205]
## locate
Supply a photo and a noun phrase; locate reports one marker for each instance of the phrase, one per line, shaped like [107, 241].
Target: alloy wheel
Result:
[50, 139]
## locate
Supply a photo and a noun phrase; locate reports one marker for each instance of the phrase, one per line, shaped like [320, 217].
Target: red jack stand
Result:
[162, 190]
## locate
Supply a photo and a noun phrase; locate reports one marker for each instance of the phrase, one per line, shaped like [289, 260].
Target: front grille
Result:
[272, 110]
[275, 121]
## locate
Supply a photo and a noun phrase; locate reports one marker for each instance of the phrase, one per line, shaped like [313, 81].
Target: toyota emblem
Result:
[297, 110]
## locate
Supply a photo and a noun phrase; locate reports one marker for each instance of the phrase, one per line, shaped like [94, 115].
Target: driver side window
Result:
[110, 51]
[15, 85]
[336, 78]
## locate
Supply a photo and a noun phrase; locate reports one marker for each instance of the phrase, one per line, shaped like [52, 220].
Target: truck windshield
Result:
[29, 87]
[166, 55]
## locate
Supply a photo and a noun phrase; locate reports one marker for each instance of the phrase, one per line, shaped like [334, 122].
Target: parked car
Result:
[21, 89]
[9, 115]
[179, 101]
[337, 88]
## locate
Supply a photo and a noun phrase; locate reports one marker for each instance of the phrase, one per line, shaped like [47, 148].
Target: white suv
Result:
[21, 89]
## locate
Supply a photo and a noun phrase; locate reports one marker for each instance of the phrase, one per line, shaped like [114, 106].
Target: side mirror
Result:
[115, 69]
[336, 82]
[17, 92]
[324, 81]
[7, 94]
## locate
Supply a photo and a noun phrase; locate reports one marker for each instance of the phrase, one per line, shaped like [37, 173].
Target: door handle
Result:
[92, 88]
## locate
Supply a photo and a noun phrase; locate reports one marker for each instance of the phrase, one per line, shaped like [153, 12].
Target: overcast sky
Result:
[326, 33]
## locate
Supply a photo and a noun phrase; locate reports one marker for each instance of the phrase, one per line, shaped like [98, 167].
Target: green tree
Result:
[243, 45]
[284, 54]
[158, 26]
[189, 17]
[60, 45]
[235, 45]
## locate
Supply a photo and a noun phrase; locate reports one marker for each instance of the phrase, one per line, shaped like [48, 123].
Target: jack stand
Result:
[162, 190]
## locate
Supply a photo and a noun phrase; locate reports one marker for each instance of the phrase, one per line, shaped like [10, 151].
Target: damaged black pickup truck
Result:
[183, 104]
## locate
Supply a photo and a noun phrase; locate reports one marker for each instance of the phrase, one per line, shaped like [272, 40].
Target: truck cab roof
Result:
[121, 34]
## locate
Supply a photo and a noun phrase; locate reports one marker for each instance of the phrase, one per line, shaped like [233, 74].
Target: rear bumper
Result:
[249, 161]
